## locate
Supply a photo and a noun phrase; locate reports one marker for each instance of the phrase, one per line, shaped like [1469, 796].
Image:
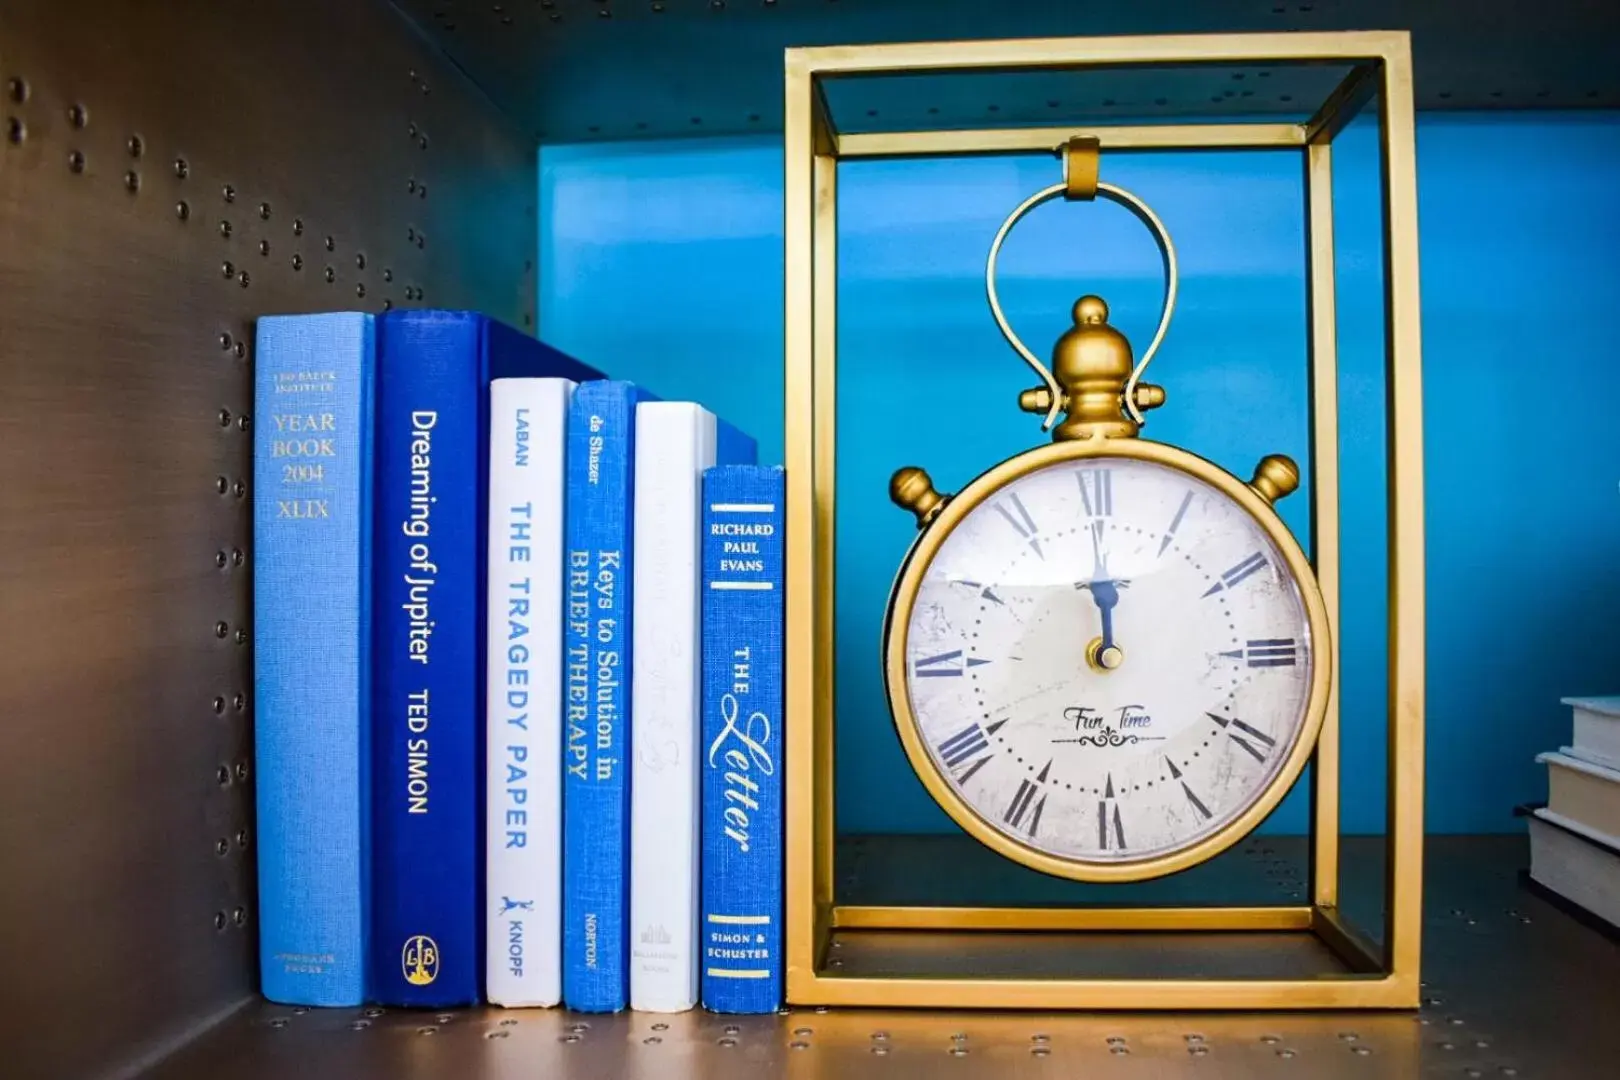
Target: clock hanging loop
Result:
[1080, 182]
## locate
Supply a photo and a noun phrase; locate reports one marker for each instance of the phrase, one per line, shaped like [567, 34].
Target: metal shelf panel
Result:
[585, 70]
[1513, 988]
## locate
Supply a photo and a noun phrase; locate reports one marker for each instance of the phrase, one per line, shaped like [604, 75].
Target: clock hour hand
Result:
[1102, 653]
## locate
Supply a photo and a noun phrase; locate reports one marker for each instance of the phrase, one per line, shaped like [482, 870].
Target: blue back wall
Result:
[662, 263]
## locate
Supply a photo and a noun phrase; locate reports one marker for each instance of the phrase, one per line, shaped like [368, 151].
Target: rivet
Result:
[410, 233]
[331, 244]
[579, 1027]
[237, 558]
[359, 1025]
[411, 186]
[1271, 1040]
[76, 161]
[822, 1010]
[297, 262]
[239, 916]
[360, 290]
[221, 630]
[221, 484]
[1349, 1036]
[182, 168]
[78, 115]
[727, 1041]
[1482, 1044]
[1456, 1021]
[132, 181]
[228, 193]
[804, 1030]
[568, 1038]
[1115, 1040]
[243, 421]
[239, 489]
[219, 704]
[331, 275]
[220, 559]
[444, 1018]
[388, 305]
[224, 228]
[298, 226]
[222, 846]
[1285, 1053]
[422, 142]
[264, 247]
[360, 261]
[135, 146]
[733, 1029]
[429, 1030]
[1448, 1046]
[374, 1011]
[1119, 1051]
[17, 89]
[496, 1034]
[421, 191]
[264, 211]
[660, 1027]
[241, 637]
[653, 1040]
[16, 130]
[880, 1050]
[797, 1045]
[241, 838]
[239, 702]
[219, 920]
[242, 278]
[1360, 1051]
[182, 210]
[1197, 1049]
[959, 1051]
[279, 1022]
[240, 350]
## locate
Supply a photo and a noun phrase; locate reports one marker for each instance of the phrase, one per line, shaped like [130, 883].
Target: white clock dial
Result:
[1109, 660]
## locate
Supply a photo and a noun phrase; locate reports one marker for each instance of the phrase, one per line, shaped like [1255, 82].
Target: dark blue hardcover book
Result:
[742, 823]
[598, 522]
[433, 374]
[312, 460]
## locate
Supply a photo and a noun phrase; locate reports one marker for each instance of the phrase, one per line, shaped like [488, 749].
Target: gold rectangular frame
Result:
[1373, 977]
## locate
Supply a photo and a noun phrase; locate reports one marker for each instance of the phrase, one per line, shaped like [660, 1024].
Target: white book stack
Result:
[1575, 838]
[523, 857]
[675, 442]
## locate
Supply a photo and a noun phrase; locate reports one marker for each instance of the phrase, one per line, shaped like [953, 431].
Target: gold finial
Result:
[1092, 364]
[1275, 477]
[911, 489]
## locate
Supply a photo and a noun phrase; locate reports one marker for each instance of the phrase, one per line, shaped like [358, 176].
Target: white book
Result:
[675, 442]
[1596, 736]
[523, 797]
[1580, 791]
[1576, 864]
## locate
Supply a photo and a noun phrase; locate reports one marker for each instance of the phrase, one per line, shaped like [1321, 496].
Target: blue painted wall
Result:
[663, 263]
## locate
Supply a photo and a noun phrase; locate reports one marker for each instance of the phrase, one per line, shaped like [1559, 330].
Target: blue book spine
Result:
[433, 375]
[312, 474]
[742, 821]
[598, 520]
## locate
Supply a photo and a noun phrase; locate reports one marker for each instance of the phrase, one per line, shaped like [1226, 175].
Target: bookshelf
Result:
[169, 172]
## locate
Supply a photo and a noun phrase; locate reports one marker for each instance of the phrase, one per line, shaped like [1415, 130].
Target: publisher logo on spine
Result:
[420, 960]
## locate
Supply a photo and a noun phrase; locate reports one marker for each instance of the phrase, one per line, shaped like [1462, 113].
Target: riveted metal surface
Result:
[580, 70]
[1515, 988]
[168, 172]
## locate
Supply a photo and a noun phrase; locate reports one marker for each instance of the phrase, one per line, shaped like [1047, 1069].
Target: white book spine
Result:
[675, 442]
[523, 827]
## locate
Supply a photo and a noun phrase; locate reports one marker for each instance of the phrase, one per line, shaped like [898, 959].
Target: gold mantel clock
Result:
[1107, 658]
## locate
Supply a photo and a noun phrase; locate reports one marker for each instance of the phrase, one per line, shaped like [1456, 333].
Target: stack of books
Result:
[518, 668]
[1575, 838]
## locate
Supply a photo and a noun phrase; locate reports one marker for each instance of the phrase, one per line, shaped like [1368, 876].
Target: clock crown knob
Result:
[1092, 364]
[1275, 477]
[911, 489]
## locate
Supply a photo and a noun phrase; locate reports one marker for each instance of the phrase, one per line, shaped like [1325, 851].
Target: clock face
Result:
[1109, 660]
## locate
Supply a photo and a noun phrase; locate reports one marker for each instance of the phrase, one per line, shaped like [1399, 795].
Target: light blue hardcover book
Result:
[598, 520]
[312, 474]
[742, 825]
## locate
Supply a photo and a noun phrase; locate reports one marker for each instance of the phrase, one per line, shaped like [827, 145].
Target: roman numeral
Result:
[1096, 491]
[1236, 730]
[1198, 804]
[963, 745]
[1175, 522]
[1024, 801]
[1231, 577]
[1104, 806]
[1271, 652]
[944, 665]
[1021, 521]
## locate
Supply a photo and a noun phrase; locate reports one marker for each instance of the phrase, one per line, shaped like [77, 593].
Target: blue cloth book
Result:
[313, 398]
[742, 821]
[433, 375]
[598, 523]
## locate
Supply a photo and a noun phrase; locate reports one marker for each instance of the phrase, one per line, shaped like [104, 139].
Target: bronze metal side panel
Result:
[1516, 990]
[162, 166]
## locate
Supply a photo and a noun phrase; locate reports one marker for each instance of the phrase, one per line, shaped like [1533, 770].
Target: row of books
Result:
[1575, 837]
[518, 677]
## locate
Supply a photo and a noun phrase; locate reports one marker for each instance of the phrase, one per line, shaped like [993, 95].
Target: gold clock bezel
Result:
[904, 596]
